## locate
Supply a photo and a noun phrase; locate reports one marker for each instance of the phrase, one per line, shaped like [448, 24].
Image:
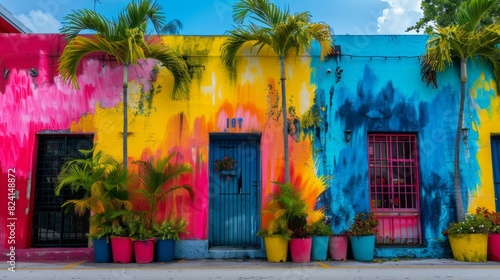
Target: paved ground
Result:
[257, 269]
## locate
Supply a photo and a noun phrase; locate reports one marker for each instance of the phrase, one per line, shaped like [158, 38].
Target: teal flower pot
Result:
[319, 248]
[363, 247]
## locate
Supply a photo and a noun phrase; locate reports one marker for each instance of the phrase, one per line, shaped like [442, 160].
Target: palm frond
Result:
[174, 63]
[120, 180]
[463, 40]
[262, 11]
[123, 39]
[172, 27]
[138, 13]
[83, 173]
[172, 171]
[78, 48]
[153, 180]
[185, 187]
[157, 178]
[80, 206]
[278, 29]
[239, 37]
[82, 20]
[427, 72]
[470, 13]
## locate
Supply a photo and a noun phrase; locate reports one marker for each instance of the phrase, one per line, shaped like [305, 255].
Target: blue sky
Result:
[213, 17]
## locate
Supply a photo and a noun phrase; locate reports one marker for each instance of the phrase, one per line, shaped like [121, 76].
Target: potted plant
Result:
[494, 239]
[225, 166]
[106, 186]
[157, 182]
[301, 239]
[99, 236]
[121, 244]
[337, 245]
[469, 238]
[116, 209]
[493, 234]
[142, 237]
[362, 233]
[289, 212]
[493, 253]
[320, 231]
[167, 233]
[277, 235]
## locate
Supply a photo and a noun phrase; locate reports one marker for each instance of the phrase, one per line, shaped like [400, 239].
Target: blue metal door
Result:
[495, 155]
[234, 194]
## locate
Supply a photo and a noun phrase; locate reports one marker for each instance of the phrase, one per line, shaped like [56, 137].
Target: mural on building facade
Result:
[379, 90]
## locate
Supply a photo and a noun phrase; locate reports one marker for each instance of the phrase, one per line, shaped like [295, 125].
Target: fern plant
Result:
[170, 228]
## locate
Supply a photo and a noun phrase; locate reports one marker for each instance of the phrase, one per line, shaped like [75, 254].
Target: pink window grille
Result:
[394, 188]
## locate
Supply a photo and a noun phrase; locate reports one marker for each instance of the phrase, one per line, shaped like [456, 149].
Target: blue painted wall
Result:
[380, 90]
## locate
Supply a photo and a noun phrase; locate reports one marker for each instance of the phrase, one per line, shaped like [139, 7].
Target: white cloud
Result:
[40, 22]
[399, 16]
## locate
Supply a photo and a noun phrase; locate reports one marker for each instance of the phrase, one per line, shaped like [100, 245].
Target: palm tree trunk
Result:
[285, 119]
[458, 189]
[125, 118]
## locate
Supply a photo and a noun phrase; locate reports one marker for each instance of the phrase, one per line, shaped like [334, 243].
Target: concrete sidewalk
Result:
[247, 263]
[257, 269]
[83, 258]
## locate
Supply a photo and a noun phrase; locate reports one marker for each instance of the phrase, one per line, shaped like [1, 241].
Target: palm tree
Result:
[280, 31]
[466, 39]
[105, 184]
[157, 181]
[124, 39]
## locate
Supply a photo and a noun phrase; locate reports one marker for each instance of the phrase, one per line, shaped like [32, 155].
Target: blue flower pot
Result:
[363, 247]
[102, 250]
[319, 248]
[164, 250]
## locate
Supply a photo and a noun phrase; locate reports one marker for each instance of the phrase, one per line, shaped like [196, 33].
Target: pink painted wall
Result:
[32, 105]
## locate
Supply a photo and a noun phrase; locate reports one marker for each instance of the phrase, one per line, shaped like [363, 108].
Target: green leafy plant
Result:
[170, 228]
[321, 228]
[106, 184]
[102, 227]
[225, 164]
[289, 212]
[495, 222]
[364, 224]
[157, 179]
[491, 216]
[119, 231]
[139, 228]
[473, 223]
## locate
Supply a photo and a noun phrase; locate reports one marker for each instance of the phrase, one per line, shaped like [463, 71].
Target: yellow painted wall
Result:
[488, 125]
[216, 94]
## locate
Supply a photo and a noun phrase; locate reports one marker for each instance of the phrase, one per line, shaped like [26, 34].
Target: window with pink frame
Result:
[394, 188]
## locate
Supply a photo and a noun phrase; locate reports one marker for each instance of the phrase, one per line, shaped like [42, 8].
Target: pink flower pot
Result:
[494, 247]
[122, 249]
[300, 249]
[144, 250]
[337, 247]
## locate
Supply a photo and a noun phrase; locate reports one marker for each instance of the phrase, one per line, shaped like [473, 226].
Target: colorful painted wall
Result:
[379, 90]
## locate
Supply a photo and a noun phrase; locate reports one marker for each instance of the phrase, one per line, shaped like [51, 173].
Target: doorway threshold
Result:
[231, 252]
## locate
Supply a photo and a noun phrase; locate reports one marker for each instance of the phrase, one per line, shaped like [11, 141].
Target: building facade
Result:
[366, 134]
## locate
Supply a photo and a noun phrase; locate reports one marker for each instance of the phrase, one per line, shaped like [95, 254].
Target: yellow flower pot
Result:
[470, 247]
[276, 248]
